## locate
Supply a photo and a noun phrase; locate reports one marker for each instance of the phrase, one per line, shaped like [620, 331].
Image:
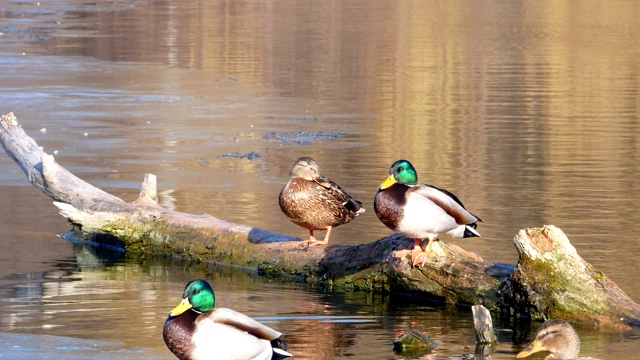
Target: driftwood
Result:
[483, 325]
[485, 337]
[550, 280]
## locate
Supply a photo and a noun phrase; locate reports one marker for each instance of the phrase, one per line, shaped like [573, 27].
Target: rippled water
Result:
[528, 111]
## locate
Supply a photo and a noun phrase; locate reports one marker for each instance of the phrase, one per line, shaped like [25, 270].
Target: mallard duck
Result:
[195, 330]
[557, 337]
[420, 211]
[314, 202]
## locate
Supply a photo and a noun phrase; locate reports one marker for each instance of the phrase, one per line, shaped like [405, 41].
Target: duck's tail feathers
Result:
[280, 354]
[470, 231]
[479, 220]
[464, 231]
[279, 349]
[354, 206]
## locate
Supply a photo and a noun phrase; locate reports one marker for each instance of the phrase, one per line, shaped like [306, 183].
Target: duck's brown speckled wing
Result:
[353, 206]
[314, 206]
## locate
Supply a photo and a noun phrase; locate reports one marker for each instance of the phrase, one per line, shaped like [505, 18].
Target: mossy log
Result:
[553, 281]
[547, 260]
[414, 344]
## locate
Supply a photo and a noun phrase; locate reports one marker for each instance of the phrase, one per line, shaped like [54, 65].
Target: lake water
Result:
[527, 110]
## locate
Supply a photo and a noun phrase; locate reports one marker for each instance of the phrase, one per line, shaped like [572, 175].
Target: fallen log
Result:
[452, 274]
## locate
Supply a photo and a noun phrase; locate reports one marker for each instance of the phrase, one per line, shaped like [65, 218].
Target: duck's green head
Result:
[401, 172]
[198, 295]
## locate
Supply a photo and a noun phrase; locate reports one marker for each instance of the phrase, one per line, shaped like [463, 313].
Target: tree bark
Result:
[550, 280]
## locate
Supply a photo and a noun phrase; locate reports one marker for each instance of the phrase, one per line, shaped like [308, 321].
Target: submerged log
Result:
[452, 274]
[414, 343]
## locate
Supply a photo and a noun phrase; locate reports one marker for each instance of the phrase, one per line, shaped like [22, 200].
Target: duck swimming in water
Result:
[557, 337]
[195, 330]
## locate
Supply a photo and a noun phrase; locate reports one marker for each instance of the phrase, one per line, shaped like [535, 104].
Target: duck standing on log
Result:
[421, 211]
[314, 202]
[195, 330]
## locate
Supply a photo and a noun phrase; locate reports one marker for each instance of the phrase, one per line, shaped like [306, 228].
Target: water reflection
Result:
[124, 301]
[131, 297]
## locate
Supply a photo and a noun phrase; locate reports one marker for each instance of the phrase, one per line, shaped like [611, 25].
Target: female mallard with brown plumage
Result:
[420, 211]
[314, 202]
[557, 337]
[195, 330]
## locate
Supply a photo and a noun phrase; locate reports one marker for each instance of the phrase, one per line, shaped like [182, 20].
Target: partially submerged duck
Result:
[421, 211]
[195, 330]
[558, 338]
[314, 202]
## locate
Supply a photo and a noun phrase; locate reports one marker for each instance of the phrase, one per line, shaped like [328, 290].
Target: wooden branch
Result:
[451, 274]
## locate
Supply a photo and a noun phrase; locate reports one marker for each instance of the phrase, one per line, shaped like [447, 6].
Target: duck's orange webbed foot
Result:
[419, 256]
[305, 243]
[312, 241]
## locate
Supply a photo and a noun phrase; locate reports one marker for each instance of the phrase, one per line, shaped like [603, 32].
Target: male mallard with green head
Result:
[314, 202]
[420, 211]
[195, 330]
[557, 337]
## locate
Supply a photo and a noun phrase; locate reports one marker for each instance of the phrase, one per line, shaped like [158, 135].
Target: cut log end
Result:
[9, 120]
[148, 189]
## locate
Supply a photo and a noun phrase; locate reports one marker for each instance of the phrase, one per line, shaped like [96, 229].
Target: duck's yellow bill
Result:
[324, 184]
[532, 349]
[387, 183]
[182, 307]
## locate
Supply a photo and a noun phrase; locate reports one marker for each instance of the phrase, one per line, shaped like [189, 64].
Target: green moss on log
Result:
[368, 279]
[162, 238]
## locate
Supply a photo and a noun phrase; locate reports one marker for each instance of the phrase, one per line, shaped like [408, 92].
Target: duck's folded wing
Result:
[342, 196]
[447, 201]
[242, 322]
